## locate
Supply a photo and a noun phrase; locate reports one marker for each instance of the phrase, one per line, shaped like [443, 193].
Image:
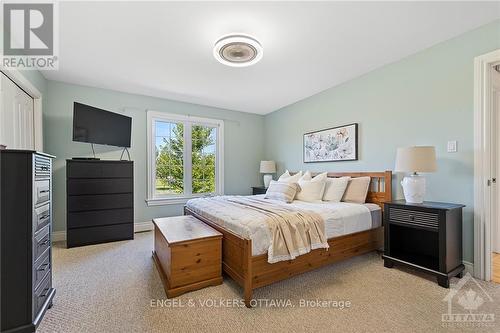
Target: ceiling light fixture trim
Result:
[238, 50]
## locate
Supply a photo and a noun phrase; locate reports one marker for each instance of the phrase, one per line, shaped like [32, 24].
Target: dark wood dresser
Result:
[425, 236]
[100, 201]
[26, 227]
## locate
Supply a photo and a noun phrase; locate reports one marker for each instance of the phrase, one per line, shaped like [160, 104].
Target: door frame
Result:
[483, 157]
[32, 91]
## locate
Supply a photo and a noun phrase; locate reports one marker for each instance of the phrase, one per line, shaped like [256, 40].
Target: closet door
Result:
[16, 116]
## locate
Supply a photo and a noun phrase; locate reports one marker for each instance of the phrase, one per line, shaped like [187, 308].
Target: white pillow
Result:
[281, 191]
[285, 174]
[290, 179]
[335, 188]
[311, 190]
[307, 176]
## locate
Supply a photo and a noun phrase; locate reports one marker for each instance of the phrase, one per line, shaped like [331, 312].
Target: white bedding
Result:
[341, 218]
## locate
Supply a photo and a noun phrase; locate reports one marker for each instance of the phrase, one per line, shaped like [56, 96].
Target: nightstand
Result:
[259, 190]
[427, 237]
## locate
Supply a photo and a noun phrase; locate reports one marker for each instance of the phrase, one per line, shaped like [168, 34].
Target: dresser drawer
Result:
[99, 170]
[414, 217]
[41, 217]
[100, 217]
[41, 243]
[99, 186]
[41, 268]
[96, 202]
[43, 166]
[41, 191]
[93, 235]
[41, 294]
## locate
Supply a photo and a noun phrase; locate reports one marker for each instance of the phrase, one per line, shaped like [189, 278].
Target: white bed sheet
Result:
[337, 223]
[341, 218]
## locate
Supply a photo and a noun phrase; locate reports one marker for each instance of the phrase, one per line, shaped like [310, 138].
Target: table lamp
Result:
[267, 168]
[414, 160]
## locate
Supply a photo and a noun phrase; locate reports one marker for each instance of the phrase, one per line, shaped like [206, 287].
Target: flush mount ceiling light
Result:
[238, 50]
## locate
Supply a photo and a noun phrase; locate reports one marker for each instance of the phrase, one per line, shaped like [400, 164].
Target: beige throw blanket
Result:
[293, 231]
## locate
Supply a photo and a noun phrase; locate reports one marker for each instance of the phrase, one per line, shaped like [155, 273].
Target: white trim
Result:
[167, 201]
[58, 236]
[143, 226]
[18, 78]
[187, 120]
[469, 267]
[482, 164]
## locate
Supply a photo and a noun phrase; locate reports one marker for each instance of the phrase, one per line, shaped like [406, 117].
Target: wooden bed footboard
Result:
[253, 272]
[236, 255]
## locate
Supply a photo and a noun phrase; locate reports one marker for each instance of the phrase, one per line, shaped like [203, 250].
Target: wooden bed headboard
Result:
[380, 190]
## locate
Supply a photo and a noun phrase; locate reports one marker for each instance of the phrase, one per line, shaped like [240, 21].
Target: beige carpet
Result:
[110, 288]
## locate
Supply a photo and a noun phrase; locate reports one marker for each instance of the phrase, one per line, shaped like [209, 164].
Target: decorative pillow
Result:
[356, 190]
[335, 188]
[285, 174]
[311, 189]
[282, 191]
[286, 177]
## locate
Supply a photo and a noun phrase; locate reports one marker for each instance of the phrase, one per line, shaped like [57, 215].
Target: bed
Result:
[243, 254]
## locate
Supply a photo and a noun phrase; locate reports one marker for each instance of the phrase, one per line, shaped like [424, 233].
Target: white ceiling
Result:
[165, 49]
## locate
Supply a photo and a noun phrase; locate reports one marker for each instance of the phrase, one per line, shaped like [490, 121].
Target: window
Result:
[185, 157]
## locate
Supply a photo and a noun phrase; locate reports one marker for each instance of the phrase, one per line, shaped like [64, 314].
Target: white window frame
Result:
[188, 121]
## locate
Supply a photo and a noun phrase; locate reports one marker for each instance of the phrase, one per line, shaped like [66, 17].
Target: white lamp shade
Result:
[267, 167]
[416, 159]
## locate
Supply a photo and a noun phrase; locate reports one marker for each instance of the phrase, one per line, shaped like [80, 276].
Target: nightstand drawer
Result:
[259, 190]
[414, 217]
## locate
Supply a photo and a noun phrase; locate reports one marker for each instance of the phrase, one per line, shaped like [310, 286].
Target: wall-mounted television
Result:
[95, 125]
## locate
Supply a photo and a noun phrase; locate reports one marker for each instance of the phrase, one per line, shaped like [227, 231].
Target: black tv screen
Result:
[95, 125]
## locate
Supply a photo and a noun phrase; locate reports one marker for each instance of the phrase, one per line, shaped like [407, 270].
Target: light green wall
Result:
[243, 144]
[425, 99]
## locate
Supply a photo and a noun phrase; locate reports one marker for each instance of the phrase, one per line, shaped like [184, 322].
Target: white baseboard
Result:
[143, 226]
[60, 236]
[469, 267]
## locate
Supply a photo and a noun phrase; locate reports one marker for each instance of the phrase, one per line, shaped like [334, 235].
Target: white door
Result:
[16, 116]
[495, 95]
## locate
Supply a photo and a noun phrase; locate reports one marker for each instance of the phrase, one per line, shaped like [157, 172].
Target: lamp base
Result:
[414, 188]
[267, 180]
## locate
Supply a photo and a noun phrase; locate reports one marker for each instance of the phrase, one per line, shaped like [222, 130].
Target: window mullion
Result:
[152, 178]
[188, 162]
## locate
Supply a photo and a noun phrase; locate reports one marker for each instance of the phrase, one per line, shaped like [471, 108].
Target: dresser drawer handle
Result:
[44, 191]
[45, 168]
[44, 292]
[43, 267]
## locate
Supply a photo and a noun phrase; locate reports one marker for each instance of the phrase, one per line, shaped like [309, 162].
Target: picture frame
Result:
[334, 144]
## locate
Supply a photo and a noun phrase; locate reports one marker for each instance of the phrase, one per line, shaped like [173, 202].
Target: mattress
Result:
[340, 218]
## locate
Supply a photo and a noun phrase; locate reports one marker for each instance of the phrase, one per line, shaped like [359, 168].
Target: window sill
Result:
[167, 201]
[171, 201]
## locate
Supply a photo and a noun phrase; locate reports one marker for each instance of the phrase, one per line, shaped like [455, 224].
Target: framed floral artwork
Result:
[332, 144]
